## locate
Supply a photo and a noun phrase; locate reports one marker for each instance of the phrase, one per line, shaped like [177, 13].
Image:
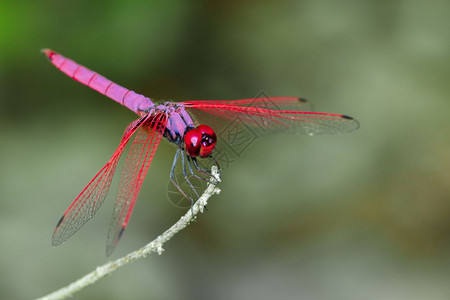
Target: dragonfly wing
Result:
[275, 103]
[275, 114]
[91, 198]
[135, 168]
[238, 123]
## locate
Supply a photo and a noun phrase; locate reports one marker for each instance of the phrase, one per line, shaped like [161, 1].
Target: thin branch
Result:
[156, 246]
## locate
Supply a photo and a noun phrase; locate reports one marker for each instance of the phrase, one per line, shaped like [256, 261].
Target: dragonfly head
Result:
[200, 141]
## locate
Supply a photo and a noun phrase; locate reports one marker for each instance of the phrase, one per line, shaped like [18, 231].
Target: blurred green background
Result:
[358, 216]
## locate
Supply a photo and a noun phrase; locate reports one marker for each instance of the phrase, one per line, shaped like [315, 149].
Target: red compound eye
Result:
[192, 142]
[200, 141]
[209, 140]
[205, 129]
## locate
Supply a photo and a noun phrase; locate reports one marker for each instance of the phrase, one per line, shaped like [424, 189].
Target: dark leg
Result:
[204, 171]
[187, 172]
[199, 168]
[172, 175]
[191, 160]
[186, 178]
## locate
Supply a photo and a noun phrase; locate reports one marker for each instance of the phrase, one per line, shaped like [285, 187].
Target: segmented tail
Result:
[128, 98]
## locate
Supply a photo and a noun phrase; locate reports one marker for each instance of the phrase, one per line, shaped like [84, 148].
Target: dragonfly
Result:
[179, 123]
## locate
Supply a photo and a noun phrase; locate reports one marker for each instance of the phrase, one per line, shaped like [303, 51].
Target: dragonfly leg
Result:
[206, 172]
[172, 176]
[185, 178]
[202, 171]
[185, 174]
[190, 161]
[188, 172]
[199, 168]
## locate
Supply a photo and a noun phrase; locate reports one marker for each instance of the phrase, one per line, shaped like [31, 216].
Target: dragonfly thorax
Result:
[200, 141]
[178, 123]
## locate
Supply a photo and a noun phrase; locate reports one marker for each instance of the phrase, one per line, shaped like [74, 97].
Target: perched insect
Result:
[177, 123]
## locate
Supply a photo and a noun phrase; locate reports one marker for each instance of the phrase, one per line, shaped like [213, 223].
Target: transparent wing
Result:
[276, 103]
[273, 114]
[136, 165]
[238, 123]
[91, 198]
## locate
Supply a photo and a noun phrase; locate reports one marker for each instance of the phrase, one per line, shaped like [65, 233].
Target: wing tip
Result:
[59, 222]
[56, 240]
[110, 247]
[304, 100]
[109, 250]
[351, 120]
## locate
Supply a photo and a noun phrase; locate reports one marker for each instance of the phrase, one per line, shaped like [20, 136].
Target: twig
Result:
[155, 246]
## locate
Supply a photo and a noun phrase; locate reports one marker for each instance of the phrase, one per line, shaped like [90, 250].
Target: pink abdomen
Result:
[133, 101]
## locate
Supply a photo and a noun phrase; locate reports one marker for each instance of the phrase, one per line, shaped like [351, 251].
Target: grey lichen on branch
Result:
[155, 246]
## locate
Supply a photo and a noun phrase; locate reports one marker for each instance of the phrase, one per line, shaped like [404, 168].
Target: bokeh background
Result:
[357, 216]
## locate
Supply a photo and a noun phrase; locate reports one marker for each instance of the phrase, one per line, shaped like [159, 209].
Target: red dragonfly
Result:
[177, 123]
